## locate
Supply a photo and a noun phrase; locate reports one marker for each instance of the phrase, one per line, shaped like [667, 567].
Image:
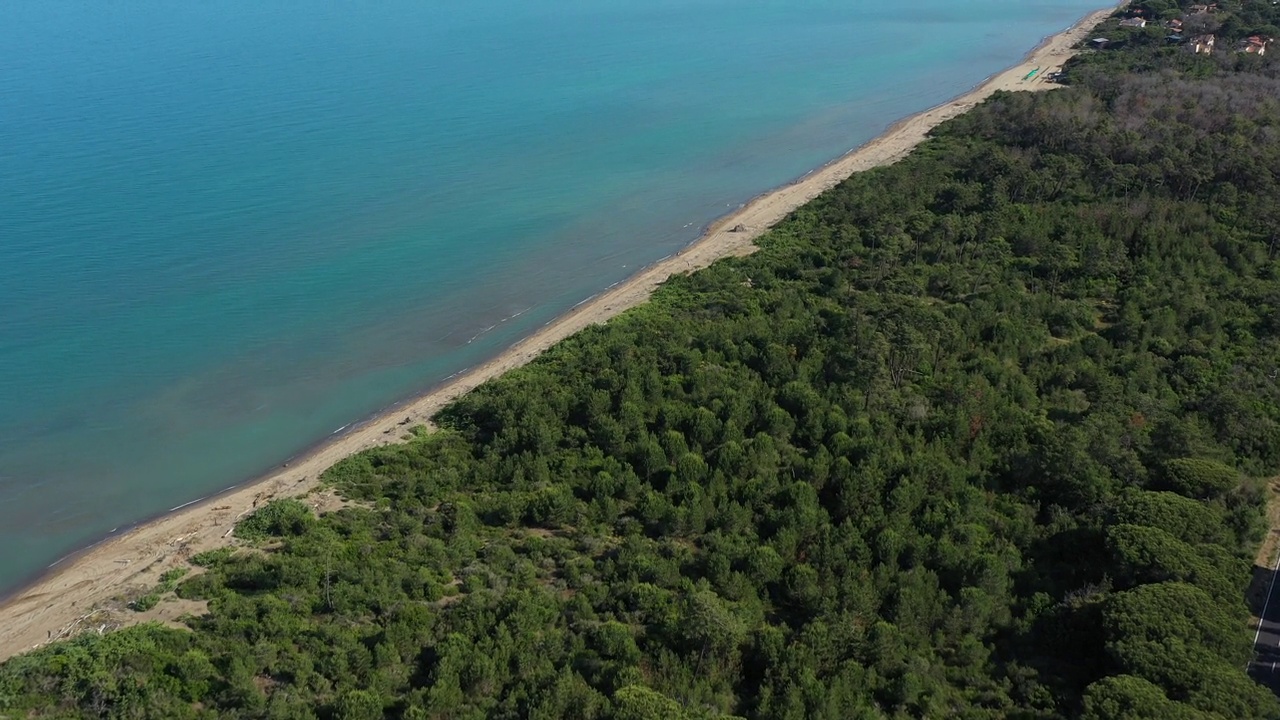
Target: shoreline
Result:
[51, 605]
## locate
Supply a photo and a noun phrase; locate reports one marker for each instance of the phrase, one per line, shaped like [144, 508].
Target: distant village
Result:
[1191, 31]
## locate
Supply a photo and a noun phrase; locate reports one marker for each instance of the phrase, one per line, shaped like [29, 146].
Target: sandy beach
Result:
[63, 602]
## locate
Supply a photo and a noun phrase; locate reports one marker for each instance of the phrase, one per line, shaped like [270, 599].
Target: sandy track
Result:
[54, 605]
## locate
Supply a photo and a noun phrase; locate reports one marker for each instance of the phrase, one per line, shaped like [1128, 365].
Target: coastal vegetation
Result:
[168, 581]
[980, 434]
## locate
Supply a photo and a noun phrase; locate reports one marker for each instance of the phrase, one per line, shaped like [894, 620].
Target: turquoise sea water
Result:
[229, 229]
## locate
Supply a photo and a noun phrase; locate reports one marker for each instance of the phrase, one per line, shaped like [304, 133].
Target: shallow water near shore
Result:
[229, 232]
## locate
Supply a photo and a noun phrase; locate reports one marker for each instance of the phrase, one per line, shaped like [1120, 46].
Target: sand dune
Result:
[60, 604]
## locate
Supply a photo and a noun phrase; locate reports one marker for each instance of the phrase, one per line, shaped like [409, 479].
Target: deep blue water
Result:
[228, 229]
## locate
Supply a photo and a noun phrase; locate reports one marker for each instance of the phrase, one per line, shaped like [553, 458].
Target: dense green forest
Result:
[981, 434]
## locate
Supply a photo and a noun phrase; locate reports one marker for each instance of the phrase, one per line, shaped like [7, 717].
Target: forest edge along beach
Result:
[988, 431]
[55, 604]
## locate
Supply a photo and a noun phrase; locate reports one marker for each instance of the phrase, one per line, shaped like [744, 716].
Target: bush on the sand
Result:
[168, 582]
[212, 558]
[146, 602]
[278, 518]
